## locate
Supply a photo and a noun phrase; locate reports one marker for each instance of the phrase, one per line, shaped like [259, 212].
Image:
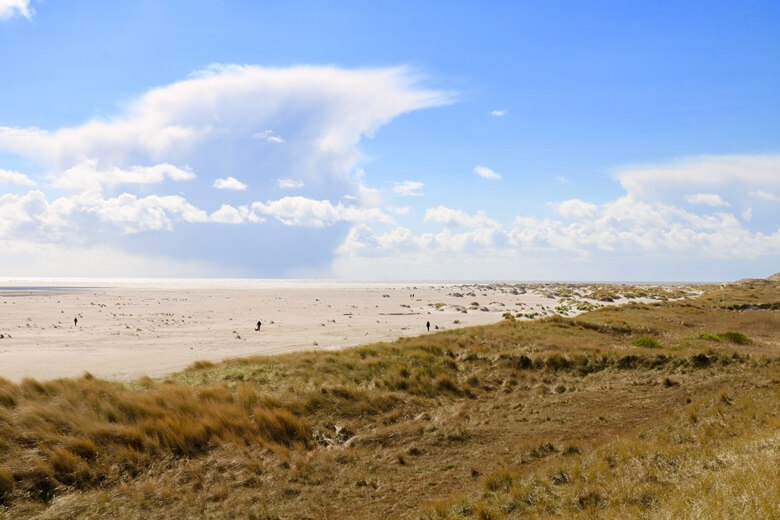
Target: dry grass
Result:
[715, 458]
[562, 417]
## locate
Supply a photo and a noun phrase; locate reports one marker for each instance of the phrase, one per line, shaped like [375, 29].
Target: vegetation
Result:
[591, 416]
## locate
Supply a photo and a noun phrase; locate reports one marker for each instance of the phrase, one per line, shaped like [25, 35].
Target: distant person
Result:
[428, 325]
[258, 325]
[75, 322]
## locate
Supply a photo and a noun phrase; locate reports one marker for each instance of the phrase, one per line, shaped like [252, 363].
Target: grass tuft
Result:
[647, 342]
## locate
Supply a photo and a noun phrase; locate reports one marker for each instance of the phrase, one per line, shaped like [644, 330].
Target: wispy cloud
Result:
[487, 173]
[449, 217]
[231, 183]
[399, 210]
[765, 195]
[269, 136]
[750, 172]
[288, 184]
[498, 113]
[408, 188]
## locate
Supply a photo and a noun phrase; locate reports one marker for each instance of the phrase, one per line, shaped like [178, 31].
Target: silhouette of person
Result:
[75, 322]
[258, 326]
[428, 325]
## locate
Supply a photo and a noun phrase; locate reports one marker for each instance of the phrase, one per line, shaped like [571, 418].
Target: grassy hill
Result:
[661, 410]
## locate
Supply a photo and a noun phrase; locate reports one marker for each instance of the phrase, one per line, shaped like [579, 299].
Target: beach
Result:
[130, 328]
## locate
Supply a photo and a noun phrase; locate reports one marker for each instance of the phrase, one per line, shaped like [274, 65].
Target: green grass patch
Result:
[647, 342]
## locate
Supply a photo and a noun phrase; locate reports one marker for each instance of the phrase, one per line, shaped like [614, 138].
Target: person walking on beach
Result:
[75, 322]
[428, 325]
[258, 326]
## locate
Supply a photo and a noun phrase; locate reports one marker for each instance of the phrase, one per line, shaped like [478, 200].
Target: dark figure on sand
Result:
[258, 326]
[75, 322]
[428, 325]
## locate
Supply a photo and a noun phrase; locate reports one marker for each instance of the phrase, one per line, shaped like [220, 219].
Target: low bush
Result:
[647, 342]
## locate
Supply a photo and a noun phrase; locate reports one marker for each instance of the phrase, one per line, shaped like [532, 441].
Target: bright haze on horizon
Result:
[394, 140]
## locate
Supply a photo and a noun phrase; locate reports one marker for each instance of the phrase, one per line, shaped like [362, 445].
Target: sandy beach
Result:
[130, 328]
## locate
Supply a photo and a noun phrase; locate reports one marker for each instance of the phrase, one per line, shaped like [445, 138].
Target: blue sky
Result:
[390, 140]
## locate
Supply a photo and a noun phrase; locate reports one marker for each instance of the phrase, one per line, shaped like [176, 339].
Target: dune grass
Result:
[715, 458]
[623, 411]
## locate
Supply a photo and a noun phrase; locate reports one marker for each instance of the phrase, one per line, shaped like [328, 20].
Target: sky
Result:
[452, 140]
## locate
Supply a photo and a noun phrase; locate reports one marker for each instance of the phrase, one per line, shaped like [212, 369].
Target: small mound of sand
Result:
[774, 278]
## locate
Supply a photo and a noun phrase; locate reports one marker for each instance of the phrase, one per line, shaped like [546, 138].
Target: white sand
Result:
[127, 329]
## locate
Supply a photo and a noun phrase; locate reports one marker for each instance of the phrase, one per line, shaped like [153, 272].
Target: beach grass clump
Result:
[646, 342]
[707, 336]
[82, 432]
[737, 338]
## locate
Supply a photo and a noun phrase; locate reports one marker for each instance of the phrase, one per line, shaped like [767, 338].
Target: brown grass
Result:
[562, 416]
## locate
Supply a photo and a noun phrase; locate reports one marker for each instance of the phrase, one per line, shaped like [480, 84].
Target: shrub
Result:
[500, 480]
[701, 361]
[200, 365]
[444, 383]
[735, 337]
[558, 362]
[279, 426]
[647, 342]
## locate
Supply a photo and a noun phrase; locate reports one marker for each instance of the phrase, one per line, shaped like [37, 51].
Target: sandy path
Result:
[129, 329]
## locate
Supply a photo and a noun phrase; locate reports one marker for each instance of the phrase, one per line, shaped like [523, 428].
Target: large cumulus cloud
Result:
[154, 165]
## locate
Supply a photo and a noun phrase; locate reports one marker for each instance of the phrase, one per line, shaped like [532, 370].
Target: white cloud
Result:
[216, 120]
[322, 111]
[498, 113]
[709, 172]
[302, 211]
[707, 199]
[629, 229]
[368, 196]
[408, 188]
[88, 176]
[269, 136]
[227, 214]
[619, 228]
[449, 217]
[765, 195]
[84, 216]
[362, 240]
[487, 173]
[561, 179]
[230, 183]
[11, 8]
[574, 208]
[399, 210]
[13, 177]
[288, 184]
